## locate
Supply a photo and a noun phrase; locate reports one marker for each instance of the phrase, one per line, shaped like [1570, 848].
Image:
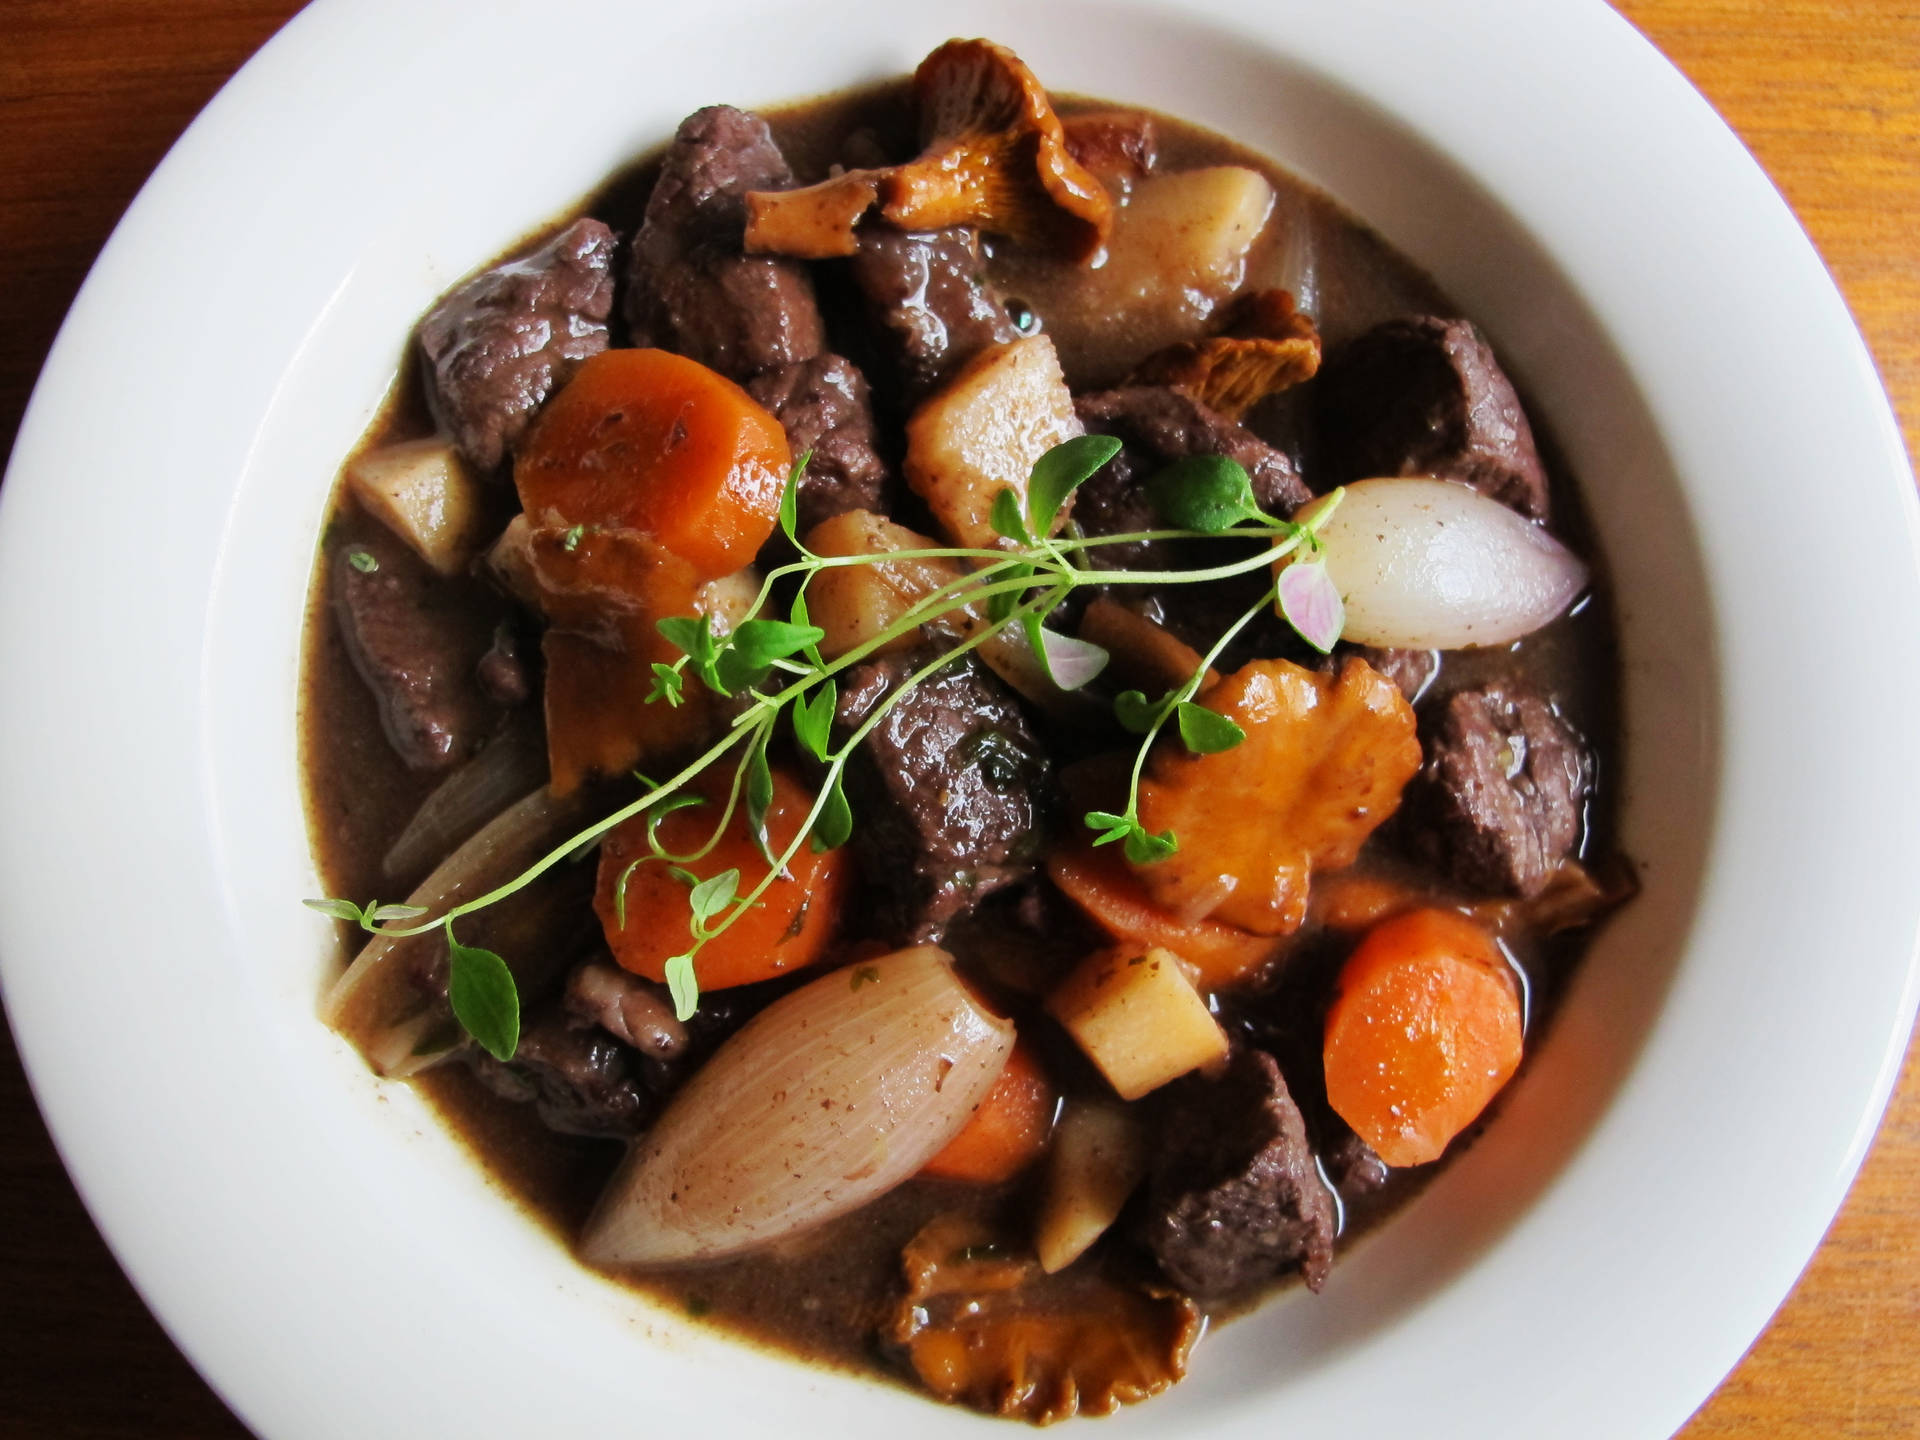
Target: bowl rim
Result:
[147, 1188]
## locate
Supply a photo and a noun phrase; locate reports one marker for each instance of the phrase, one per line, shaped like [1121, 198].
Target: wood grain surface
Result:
[92, 92]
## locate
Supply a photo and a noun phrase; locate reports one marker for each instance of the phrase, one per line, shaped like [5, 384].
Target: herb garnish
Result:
[776, 667]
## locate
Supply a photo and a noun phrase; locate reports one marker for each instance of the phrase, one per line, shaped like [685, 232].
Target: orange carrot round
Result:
[1424, 1029]
[1101, 883]
[788, 928]
[1008, 1132]
[647, 441]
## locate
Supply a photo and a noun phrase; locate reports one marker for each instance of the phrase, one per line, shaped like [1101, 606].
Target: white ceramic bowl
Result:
[325, 1253]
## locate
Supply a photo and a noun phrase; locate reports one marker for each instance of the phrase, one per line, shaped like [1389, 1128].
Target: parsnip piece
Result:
[1006, 408]
[510, 558]
[855, 603]
[1138, 1017]
[423, 492]
[1097, 1158]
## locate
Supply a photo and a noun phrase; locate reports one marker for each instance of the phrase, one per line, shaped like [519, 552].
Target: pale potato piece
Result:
[855, 603]
[1138, 1018]
[1098, 1156]
[1191, 231]
[423, 492]
[729, 600]
[1006, 408]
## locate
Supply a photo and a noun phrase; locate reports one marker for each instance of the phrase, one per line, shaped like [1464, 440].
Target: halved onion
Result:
[383, 1005]
[828, 1098]
[1432, 565]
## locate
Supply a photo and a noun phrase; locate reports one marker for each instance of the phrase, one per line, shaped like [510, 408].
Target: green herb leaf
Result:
[813, 720]
[570, 542]
[339, 910]
[835, 824]
[1061, 471]
[1006, 519]
[1143, 847]
[1208, 493]
[759, 796]
[667, 686]
[398, 912]
[363, 561]
[803, 620]
[710, 897]
[863, 975]
[1108, 827]
[1135, 712]
[790, 501]
[1000, 605]
[683, 987]
[754, 646]
[1206, 732]
[694, 635]
[485, 1000]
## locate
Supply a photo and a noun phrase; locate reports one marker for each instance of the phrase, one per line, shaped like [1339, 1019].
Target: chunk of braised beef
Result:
[417, 647]
[497, 346]
[1156, 425]
[1424, 396]
[1352, 1166]
[928, 295]
[949, 792]
[502, 671]
[1413, 671]
[691, 287]
[1501, 798]
[827, 411]
[574, 1073]
[1235, 1199]
[626, 1007]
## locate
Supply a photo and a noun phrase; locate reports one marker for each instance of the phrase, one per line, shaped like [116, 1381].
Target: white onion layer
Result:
[1432, 565]
[828, 1098]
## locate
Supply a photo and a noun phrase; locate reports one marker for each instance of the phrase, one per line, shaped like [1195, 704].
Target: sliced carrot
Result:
[1424, 1029]
[647, 441]
[1101, 883]
[787, 929]
[1008, 1132]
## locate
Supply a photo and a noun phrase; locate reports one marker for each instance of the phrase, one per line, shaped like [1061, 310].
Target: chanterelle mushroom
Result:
[1265, 347]
[995, 159]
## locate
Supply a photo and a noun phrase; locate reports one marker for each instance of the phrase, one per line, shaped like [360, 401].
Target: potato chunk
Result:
[1138, 1018]
[423, 492]
[856, 603]
[1098, 1156]
[1006, 408]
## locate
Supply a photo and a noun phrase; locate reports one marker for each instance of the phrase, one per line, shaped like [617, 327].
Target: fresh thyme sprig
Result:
[777, 669]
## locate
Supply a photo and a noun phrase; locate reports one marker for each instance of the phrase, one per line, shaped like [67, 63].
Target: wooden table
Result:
[92, 92]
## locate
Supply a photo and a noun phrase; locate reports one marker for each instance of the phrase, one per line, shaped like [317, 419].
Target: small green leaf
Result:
[1206, 732]
[695, 636]
[804, 620]
[1207, 493]
[1006, 519]
[684, 876]
[339, 910]
[759, 795]
[570, 542]
[398, 912]
[863, 975]
[774, 639]
[1000, 605]
[485, 1000]
[710, 897]
[1108, 827]
[683, 987]
[363, 561]
[1145, 848]
[835, 824]
[1061, 471]
[1310, 602]
[667, 686]
[813, 720]
[1069, 662]
[790, 500]
[1135, 712]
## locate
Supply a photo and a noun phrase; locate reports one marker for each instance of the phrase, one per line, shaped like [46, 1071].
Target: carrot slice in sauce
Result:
[788, 928]
[1424, 1030]
[1010, 1129]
